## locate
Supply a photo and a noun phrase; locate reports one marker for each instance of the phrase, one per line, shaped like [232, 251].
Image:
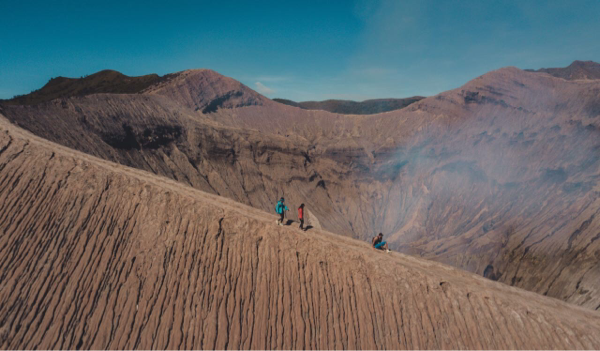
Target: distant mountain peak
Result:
[198, 89]
[206, 90]
[105, 81]
[576, 70]
[349, 107]
[584, 63]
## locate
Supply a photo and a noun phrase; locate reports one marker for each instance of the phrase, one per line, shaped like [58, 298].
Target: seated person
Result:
[379, 244]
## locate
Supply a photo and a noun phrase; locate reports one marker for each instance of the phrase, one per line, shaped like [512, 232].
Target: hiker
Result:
[379, 244]
[281, 208]
[301, 216]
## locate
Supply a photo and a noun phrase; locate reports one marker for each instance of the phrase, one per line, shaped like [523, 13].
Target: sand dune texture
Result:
[98, 255]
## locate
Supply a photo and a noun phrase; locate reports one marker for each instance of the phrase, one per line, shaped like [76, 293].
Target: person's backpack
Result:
[279, 207]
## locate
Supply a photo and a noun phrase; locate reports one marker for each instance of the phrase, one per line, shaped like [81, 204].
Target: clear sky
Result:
[301, 50]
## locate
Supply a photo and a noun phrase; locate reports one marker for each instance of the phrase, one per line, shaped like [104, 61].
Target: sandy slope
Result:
[498, 177]
[98, 255]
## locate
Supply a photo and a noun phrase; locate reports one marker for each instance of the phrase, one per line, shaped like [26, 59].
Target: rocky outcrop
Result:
[97, 255]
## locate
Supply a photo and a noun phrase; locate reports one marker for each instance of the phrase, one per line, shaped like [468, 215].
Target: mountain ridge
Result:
[118, 83]
[105, 81]
[206, 90]
[497, 177]
[179, 268]
[576, 70]
[349, 107]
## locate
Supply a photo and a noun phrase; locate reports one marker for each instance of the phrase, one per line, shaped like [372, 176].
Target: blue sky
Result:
[301, 50]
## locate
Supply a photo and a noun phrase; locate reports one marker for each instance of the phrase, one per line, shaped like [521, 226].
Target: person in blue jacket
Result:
[280, 209]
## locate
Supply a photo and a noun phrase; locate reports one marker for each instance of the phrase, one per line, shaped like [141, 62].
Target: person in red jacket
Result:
[301, 216]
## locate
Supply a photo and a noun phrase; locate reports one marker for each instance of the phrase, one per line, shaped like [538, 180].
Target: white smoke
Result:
[263, 89]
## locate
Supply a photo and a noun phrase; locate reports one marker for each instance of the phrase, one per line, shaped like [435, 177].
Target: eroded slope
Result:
[499, 177]
[96, 255]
